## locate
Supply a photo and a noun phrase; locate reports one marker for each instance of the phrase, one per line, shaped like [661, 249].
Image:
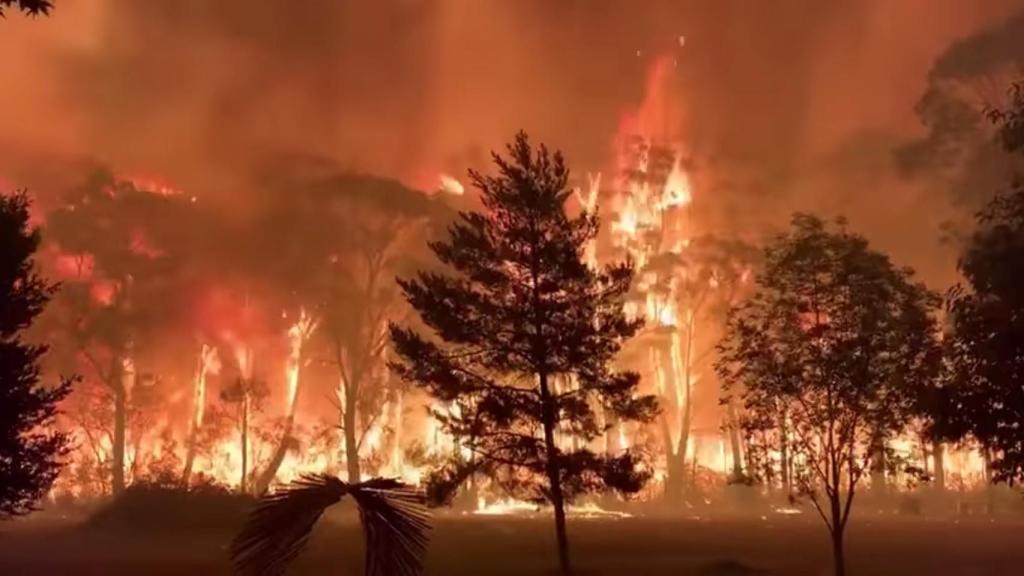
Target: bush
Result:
[169, 508]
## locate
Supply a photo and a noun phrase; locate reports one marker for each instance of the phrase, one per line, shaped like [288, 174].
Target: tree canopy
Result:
[832, 346]
[30, 7]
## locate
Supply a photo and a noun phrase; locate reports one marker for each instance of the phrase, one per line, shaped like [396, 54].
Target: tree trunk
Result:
[120, 425]
[939, 465]
[836, 530]
[784, 461]
[878, 466]
[554, 476]
[244, 481]
[268, 475]
[190, 458]
[351, 441]
[838, 552]
[675, 475]
[735, 449]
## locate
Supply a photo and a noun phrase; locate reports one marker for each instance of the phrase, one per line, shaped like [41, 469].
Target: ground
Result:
[776, 545]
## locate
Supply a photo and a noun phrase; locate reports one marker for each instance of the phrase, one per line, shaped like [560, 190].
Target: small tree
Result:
[30, 451]
[527, 332]
[835, 341]
[984, 397]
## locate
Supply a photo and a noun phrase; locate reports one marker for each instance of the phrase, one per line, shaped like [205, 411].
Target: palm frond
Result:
[395, 522]
[394, 519]
[279, 527]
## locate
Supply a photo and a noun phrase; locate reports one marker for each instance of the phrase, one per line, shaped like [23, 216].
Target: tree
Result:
[341, 239]
[525, 331]
[392, 515]
[835, 340]
[379, 220]
[30, 7]
[983, 396]
[248, 394]
[131, 282]
[30, 450]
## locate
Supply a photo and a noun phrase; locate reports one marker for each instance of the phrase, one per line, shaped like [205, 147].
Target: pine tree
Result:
[30, 453]
[525, 335]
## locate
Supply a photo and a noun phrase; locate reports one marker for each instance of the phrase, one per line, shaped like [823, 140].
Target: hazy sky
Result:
[784, 104]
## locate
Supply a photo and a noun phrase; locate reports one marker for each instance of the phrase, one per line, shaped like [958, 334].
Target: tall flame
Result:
[298, 333]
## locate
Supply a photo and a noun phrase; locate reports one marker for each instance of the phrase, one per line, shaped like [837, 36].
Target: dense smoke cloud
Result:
[796, 104]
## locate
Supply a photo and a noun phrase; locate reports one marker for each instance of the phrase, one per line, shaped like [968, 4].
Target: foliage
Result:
[393, 518]
[30, 7]
[30, 451]
[834, 344]
[526, 334]
[984, 397]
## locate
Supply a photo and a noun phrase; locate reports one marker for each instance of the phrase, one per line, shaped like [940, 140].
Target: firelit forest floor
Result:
[499, 546]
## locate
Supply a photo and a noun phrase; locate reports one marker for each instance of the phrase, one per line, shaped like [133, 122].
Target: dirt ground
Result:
[775, 545]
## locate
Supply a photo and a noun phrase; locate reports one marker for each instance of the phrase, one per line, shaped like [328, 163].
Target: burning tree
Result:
[835, 341]
[527, 333]
[684, 283]
[123, 245]
[342, 240]
[380, 220]
[247, 394]
[30, 450]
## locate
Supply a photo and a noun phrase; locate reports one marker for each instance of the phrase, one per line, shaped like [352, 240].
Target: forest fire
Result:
[669, 283]
[236, 430]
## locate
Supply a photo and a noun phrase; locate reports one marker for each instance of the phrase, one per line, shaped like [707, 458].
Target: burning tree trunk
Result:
[208, 363]
[244, 448]
[298, 334]
[248, 394]
[358, 339]
[117, 449]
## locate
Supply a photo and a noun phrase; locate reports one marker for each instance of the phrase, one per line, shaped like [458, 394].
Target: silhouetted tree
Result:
[527, 331]
[984, 396]
[30, 450]
[839, 338]
[31, 7]
[394, 521]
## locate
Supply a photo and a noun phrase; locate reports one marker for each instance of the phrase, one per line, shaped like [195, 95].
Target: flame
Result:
[651, 208]
[209, 363]
[298, 333]
[450, 185]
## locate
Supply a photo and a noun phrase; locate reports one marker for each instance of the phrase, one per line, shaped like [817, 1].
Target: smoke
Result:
[788, 105]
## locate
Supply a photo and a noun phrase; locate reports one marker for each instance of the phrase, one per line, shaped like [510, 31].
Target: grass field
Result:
[779, 545]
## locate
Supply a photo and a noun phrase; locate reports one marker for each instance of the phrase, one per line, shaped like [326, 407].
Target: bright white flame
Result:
[451, 186]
